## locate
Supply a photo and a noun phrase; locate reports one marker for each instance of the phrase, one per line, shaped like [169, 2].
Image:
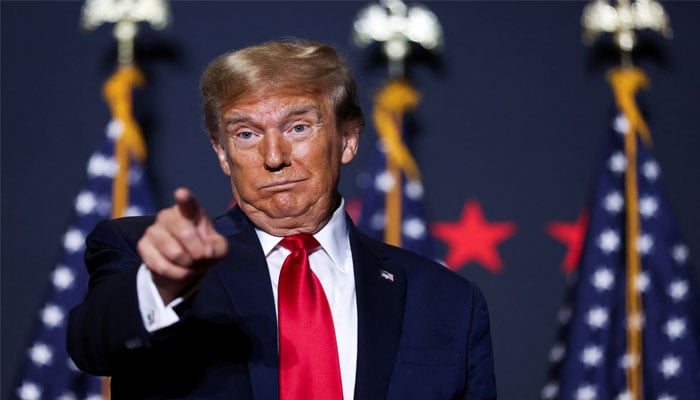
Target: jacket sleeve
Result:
[481, 380]
[106, 327]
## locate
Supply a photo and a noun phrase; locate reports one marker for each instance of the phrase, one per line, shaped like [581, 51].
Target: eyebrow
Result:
[293, 111]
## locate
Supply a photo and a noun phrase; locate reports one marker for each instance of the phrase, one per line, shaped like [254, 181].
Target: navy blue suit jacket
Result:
[423, 331]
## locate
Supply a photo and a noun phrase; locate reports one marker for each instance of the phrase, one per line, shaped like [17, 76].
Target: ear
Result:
[221, 154]
[351, 141]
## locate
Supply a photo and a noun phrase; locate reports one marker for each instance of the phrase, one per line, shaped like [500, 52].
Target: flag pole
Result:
[622, 20]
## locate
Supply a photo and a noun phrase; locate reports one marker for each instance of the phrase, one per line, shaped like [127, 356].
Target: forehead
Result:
[278, 102]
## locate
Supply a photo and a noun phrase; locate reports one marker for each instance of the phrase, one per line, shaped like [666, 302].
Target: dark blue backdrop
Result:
[514, 114]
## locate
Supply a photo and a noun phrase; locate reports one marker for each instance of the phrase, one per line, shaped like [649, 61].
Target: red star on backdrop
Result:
[473, 238]
[572, 235]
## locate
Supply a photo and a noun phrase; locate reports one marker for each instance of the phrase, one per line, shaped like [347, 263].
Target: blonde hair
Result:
[299, 63]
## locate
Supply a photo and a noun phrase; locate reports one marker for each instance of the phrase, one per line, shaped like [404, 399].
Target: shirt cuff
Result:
[154, 313]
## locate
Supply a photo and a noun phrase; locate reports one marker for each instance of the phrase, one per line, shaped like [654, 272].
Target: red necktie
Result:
[309, 367]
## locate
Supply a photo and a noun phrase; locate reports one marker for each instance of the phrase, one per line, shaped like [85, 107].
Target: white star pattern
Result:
[115, 129]
[557, 353]
[597, 318]
[621, 124]
[135, 175]
[666, 396]
[670, 366]
[613, 202]
[104, 206]
[99, 165]
[642, 281]
[414, 190]
[586, 392]
[644, 244]
[62, 278]
[85, 203]
[52, 315]
[678, 290]
[93, 396]
[29, 391]
[378, 221]
[617, 163]
[603, 279]
[628, 360]
[414, 228]
[68, 396]
[609, 241]
[680, 253]
[648, 206]
[626, 395]
[73, 240]
[674, 328]
[133, 211]
[651, 170]
[564, 314]
[591, 356]
[384, 182]
[40, 354]
[550, 391]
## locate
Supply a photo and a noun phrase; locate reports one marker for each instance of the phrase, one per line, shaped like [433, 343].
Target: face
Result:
[283, 151]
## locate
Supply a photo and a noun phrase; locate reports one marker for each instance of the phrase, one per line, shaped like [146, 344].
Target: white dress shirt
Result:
[333, 266]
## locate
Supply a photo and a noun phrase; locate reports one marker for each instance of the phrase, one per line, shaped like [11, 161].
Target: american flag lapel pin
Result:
[387, 275]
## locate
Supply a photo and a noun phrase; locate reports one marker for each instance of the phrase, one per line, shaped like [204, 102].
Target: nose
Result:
[275, 151]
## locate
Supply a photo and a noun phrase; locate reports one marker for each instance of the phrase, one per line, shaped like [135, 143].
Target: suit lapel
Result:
[246, 279]
[381, 294]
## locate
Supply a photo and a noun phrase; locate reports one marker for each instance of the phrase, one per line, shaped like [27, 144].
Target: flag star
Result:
[617, 162]
[628, 360]
[414, 228]
[100, 165]
[680, 253]
[104, 206]
[40, 354]
[564, 314]
[377, 221]
[609, 241]
[68, 396]
[644, 244]
[73, 240]
[135, 174]
[85, 203]
[29, 391]
[586, 392]
[133, 211]
[621, 124]
[651, 170]
[414, 190]
[115, 128]
[626, 395]
[93, 396]
[52, 315]
[613, 202]
[384, 181]
[592, 356]
[648, 205]
[62, 277]
[603, 279]
[642, 281]
[666, 396]
[557, 353]
[550, 391]
[670, 366]
[597, 317]
[678, 290]
[675, 328]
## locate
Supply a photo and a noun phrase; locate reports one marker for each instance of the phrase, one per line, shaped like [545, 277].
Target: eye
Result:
[300, 128]
[244, 135]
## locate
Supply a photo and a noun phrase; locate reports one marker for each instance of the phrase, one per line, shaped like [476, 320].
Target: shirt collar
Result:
[333, 237]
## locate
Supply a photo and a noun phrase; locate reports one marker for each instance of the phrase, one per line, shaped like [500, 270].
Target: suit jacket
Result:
[423, 331]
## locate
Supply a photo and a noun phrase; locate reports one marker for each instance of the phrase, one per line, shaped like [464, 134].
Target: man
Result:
[179, 307]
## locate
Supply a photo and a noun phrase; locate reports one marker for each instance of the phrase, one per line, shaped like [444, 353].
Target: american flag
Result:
[591, 356]
[383, 179]
[47, 372]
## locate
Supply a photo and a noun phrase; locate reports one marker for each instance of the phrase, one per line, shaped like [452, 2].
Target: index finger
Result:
[187, 204]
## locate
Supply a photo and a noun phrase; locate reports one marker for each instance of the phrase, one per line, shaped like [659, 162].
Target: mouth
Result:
[280, 185]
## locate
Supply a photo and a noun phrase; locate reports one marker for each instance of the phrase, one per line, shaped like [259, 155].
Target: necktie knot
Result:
[299, 242]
